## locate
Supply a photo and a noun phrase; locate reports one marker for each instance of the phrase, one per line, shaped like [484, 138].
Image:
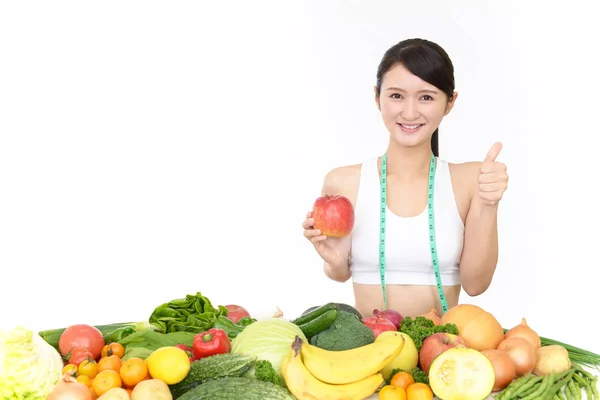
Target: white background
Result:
[152, 150]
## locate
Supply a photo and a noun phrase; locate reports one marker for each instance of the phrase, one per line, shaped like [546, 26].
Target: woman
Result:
[397, 229]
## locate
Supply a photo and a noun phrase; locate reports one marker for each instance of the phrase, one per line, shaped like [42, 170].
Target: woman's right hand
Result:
[333, 251]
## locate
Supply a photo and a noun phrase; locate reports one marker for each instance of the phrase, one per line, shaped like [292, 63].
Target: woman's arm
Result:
[342, 181]
[480, 251]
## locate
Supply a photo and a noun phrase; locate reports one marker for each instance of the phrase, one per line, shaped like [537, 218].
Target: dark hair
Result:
[425, 59]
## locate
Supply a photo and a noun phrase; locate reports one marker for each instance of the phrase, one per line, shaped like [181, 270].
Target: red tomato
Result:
[81, 335]
[79, 354]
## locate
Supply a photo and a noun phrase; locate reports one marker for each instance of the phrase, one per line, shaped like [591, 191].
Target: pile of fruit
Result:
[189, 350]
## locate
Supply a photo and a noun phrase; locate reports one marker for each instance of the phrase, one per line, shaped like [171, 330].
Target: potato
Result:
[115, 394]
[551, 358]
[154, 389]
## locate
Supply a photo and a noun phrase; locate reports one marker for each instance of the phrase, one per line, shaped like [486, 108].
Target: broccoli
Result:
[346, 332]
[264, 371]
[419, 328]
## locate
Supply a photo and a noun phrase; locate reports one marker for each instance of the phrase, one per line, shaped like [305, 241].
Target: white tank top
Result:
[408, 255]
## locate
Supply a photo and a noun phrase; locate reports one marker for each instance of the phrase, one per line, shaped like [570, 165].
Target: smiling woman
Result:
[423, 227]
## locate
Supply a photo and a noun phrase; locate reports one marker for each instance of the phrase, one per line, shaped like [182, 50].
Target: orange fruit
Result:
[133, 371]
[389, 392]
[402, 379]
[109, 363]
[419, 391]
[106, 380]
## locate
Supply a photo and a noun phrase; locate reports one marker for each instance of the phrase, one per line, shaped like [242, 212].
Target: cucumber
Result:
[213, 367]
[350, 309]
[314, 313]
[318, 324]
[237, 388]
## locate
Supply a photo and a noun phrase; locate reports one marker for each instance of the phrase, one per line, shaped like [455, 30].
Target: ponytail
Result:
[435, 146]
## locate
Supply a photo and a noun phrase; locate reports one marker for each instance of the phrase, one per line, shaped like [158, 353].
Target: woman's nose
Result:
[410, 111]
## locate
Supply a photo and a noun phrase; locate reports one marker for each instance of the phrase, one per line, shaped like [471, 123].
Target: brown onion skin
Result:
[522, 353]
[523, 330]
[433, 316]
[504, 368]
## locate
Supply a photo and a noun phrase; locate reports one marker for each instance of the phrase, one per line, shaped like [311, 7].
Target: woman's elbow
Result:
[475, 289]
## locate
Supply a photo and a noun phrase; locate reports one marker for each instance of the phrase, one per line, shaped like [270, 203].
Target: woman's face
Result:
[411, 108]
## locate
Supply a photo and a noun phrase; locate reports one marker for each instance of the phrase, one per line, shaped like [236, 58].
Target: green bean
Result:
[508, 391]
[560, 394]
[594, 386]
[575, 389]
[541, 389]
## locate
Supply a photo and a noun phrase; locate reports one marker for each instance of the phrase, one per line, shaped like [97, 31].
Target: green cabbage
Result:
[29, 367]
[268, 339]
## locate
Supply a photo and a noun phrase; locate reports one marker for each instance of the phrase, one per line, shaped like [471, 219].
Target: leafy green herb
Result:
[419, 328]
[194, 313]
[418, 375]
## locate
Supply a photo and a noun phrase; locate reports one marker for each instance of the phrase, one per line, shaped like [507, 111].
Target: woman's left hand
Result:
[493, 179]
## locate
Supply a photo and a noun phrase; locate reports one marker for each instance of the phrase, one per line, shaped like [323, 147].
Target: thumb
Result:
[493, 153]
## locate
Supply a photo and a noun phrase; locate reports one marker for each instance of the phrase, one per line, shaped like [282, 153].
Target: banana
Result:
[304, 386]
[340, 367]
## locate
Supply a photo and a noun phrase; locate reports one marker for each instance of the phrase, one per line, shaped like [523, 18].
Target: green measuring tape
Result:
[432, 240]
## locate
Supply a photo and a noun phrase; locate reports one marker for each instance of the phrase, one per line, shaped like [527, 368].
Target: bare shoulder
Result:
[343, 180]
[465, 171]
[464, 181]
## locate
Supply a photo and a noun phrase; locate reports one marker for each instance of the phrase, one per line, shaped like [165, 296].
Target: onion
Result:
[69, 389]
[504, 368]
[521, 352]
[433, 316]
[523, 330]
[393, 316]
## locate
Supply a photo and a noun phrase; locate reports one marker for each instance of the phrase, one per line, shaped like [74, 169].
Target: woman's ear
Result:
[451, 102]
[376, 98]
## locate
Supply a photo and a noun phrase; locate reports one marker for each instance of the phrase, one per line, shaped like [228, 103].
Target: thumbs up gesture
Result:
[493, 179]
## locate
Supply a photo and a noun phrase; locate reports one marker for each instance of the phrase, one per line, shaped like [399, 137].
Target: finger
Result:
[308, 223]
[488, 187]
[489, 167]
[311, 233]
[492, 177]
[493, 152]
[491, 198]
[493, 187]
[318, 239]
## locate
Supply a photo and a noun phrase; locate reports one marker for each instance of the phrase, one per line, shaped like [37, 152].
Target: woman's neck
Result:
[408, 163]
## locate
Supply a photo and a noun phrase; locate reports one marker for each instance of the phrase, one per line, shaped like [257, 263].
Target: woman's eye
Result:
[427, 97]
[396, 96]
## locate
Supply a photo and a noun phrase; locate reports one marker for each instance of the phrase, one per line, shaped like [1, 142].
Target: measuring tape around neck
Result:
[432, 238]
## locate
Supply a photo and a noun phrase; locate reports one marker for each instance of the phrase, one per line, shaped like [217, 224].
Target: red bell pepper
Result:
[214, 341]
[188, 350]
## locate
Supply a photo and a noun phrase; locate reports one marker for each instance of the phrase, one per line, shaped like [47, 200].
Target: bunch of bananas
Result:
[312, 373]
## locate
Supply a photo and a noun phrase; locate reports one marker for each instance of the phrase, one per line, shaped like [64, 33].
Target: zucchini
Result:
[213, 367]
[314, 313]
[318, 324]
[237, 388]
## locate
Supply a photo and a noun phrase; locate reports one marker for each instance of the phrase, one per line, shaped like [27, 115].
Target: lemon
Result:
[406, 360]
[169, 364]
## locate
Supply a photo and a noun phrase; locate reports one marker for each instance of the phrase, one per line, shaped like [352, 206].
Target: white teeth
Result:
[410, 126]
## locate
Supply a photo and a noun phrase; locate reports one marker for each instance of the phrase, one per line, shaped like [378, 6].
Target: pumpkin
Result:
[479, 329]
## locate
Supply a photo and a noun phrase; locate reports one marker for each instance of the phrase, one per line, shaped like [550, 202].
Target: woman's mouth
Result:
[410, 128]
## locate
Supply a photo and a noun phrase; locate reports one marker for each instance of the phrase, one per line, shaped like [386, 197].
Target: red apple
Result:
[334, 215]
[435, 345]
[235, 312]
[379, 325]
